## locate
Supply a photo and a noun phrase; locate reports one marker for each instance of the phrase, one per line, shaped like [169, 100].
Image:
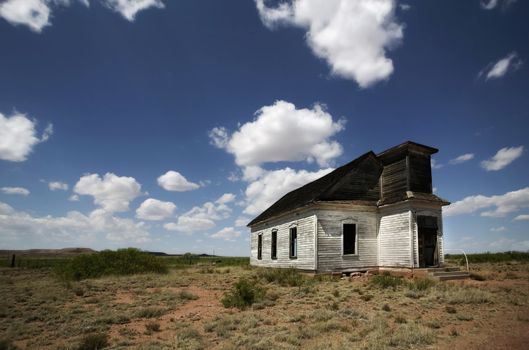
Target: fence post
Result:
[13, 261]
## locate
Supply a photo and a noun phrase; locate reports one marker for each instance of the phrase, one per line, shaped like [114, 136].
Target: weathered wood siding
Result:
[394, 238]
[330, 257]
[305, 223]
[420, 173]
[394, 180]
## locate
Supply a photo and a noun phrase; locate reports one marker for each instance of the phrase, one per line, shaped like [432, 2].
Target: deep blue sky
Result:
[138, 98]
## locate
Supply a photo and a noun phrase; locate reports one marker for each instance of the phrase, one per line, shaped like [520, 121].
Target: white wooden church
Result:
[375, 212]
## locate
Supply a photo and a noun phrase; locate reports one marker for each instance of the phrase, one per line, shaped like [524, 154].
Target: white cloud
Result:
[404, 7]
[219, 137]
[74, 198]
[436, 165]
[509, 244]
[74, 228]
[263, 192]
[36, 14]
[57, 185]
[227, 234]
[174, 181]
[501, 205]
[202, 218]
[510, 63]
[113, 193]
[522, 217]
[281, 132]
[226, 198]
[498, 229]
[130, 8]
[502, 158]
[18, 136]
[352, 36]
[492, 4]
[33, 13]
[242, 221]
[462, 158]
[15, 190]
[153, 209]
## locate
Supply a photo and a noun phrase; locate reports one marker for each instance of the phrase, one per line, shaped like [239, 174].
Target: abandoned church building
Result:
[377, 211]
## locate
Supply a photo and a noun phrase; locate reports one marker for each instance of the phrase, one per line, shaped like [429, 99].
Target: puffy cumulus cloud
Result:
[111, 192]
[74, 198]
[502, 158]
[202, 218]
[226, 198]
[498, 206]
[73, 228]
[18, 136]
[130, 8]
[522, 217]
[174, 181]
[352, 36]
[153, 209]
[263, 192]
[57, 185]
[227, 234]
[15, 190]
[281, 132]
[242, 221]
[36, 14]
[496, 70]
[462, 158]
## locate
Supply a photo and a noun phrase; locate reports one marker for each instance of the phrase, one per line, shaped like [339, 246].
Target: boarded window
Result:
[273, 254]
[293, 242]
[259, 247]
[349, 239]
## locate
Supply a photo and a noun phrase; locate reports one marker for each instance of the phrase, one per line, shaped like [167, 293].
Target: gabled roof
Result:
[362, 176]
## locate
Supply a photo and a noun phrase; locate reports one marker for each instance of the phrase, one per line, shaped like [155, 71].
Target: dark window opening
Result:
[259, 247]
[274, 245]
[293, 251]
[349, 239]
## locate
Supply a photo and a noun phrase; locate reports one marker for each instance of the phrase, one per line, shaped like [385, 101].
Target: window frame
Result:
[290, 252]
[273, 245]
[350, 222]
[260, 246]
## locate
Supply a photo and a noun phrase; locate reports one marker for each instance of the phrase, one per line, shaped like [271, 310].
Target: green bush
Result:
[121, 262]
[243, 294]
[490, 257]
[386, 281]
[94, 342]
[284, 277]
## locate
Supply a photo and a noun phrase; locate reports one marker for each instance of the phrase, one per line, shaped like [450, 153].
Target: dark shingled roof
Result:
[355, 181]
[321, 188]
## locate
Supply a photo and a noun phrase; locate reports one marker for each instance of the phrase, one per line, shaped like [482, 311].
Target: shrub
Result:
[243, 294]
[94, 341]
[185, 295]
[421, 284]
[386, 307]
[121, 262]
[284, 277]
[450, 309]
[386, 281]
[151, 327]
[477, 276]
[7, 345]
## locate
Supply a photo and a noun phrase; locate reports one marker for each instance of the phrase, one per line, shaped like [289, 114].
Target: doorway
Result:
[427, 239]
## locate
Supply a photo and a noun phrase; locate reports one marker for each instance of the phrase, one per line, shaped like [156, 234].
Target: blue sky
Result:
[168, 125]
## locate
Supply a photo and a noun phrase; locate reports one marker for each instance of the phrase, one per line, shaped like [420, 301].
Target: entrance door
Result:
[427, 237]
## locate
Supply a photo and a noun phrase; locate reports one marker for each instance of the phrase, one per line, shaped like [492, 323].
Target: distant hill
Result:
[49, 252]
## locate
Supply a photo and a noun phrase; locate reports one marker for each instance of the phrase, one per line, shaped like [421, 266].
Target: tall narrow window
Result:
[259, 247]
[349, 239]
[273, 254]
[293, 242]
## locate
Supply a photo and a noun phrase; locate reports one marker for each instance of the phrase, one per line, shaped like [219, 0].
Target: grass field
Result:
[184, 309]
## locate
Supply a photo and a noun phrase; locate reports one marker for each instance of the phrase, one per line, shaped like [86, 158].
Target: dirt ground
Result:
[183, 310]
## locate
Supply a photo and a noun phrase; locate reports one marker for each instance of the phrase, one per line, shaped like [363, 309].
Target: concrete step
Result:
[443, 269]
[445, 273]
[461, 276]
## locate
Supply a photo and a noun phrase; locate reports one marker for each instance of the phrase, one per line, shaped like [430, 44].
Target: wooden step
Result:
[445, 273]
[451, 276]
[443, 269]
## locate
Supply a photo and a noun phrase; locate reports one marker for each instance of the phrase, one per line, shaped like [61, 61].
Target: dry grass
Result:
[182, 310]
